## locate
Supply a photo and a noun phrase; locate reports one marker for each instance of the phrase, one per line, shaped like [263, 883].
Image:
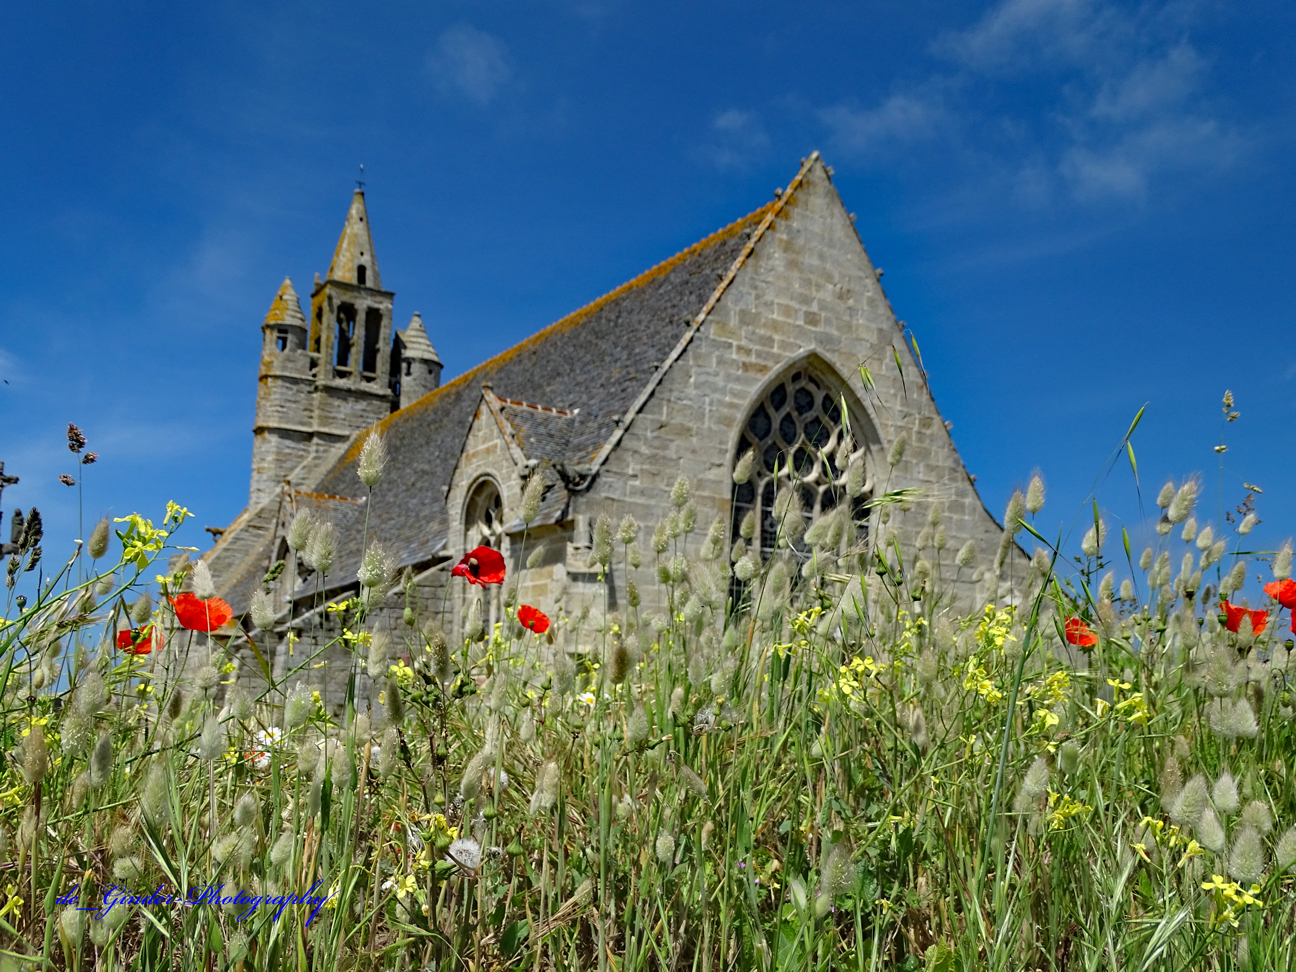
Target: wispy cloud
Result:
[901, 119]
[470, 63]
[736, 139]
[1086, 101]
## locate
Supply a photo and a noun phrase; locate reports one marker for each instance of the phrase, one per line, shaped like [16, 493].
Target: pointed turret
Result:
[286, 309]
[284, 412]
[353, 260]
[415, 363]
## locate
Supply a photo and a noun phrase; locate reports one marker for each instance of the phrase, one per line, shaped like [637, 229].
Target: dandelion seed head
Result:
[466, 852]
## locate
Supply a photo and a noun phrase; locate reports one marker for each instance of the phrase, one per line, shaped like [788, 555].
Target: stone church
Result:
[757, 337]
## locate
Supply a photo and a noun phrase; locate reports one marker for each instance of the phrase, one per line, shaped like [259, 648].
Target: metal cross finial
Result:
[360, 181]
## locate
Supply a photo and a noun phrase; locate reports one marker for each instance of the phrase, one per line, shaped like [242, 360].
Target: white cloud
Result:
[901, 119]
[737, 137]
[1091, 100]
[471, 63]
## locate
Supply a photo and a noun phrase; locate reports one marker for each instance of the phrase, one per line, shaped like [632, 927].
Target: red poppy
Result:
[1235, 614]
[481, 565]
[1283, 591]
[533, 619]
[198, 614]
[139, 641]
[1080, 634]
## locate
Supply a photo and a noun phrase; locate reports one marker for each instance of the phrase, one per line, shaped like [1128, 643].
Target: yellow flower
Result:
[1062, 808]
[1192, 850]
[406, 885]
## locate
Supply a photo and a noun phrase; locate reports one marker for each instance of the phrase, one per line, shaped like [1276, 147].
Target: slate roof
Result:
[593, 363]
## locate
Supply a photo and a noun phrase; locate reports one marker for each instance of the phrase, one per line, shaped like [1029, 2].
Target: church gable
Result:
[805, 305]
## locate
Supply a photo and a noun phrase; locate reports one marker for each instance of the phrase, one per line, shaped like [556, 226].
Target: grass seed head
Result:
[201, 578]
[1282, 562]
[300, 530]
[1033, 786]
[99, 537]
[1225, 794]
[1209, 832]
[680, 493]
[1189, 529]
[211, 743]
[1014, 513]
[545, 795]
[1285, 851]
[1190, 803]
[1258, 817]
[743, 467]
[101, 761]
[1246, 862]
[532, 496]
[262, 610]
[141, 609]
[1182, 504]
[1069, 757]
[898, 450]
[376, 566]
[665, 848]
[966, 556]
[322, 551]
[373, 459]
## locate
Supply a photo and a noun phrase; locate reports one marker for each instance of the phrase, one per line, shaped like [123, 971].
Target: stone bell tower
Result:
[324, 379]
[350, 335]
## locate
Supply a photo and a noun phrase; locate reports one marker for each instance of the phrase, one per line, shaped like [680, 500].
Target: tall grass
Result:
[826, 766]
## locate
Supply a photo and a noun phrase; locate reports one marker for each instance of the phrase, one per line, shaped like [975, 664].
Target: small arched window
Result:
[484, 517]
[802, 441]
[360, 274]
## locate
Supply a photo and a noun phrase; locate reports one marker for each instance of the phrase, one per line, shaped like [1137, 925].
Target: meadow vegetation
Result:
[816, 759]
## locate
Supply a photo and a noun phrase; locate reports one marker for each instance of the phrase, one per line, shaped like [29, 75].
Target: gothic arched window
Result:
[801, 441]
[484, 517]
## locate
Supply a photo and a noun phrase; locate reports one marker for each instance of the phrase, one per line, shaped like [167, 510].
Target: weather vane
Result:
[360, 181]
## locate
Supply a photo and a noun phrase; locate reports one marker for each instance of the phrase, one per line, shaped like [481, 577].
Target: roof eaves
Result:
[773, 212]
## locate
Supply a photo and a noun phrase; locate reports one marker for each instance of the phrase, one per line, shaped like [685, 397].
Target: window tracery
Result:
[800, 441]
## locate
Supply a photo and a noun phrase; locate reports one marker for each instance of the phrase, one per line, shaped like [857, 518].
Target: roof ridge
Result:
[771, 211]
[568, 413]
[566, 323]
[328, 496]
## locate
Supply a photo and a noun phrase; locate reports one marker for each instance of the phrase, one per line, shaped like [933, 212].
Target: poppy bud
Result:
[373, 459]
[98, 545]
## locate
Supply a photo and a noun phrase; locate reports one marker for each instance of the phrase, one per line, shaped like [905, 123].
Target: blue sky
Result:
[1081, 207]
